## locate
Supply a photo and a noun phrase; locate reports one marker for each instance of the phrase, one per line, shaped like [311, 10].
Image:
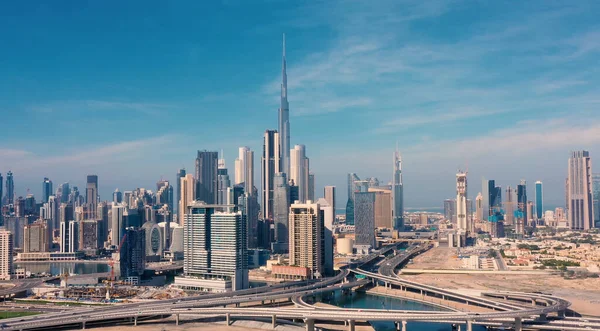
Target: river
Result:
[363, 300]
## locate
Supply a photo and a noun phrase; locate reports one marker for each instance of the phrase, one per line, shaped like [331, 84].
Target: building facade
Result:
[307, 237]
[206, 176]
[364, 219]
[579, 191]
[270, 165]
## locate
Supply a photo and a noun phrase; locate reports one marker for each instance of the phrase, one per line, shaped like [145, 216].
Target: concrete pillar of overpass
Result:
[274, 321]
[518, 324]
[533, 302]
[469, 325]
[135, 321]
[403, 325]
[228, 319]
[310, 324]
[351, 325]
[176, 319]
[83, 325]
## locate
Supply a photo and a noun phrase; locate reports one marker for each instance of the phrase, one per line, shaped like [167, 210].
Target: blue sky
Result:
[130, 90]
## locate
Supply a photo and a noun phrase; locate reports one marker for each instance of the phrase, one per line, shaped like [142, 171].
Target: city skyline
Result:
[332, 79]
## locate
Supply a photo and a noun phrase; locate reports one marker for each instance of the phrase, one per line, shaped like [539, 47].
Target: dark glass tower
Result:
[206, 176]
[10, 188]
[46, 190]
[91, 196]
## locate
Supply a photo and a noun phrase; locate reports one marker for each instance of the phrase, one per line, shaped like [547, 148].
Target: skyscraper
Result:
[117, 196]
[249, 173]
[284, 119]
[187, 195]
[539, 200]
[206, 176]
[479, 207]
[269, 167]
[462, 217]
[509, 206]
[328, 215]
[62, 192]
[132, 260]
[383, 208]
[579, 192]
[216, 256]
[329, 194]
[240, 165]
[6, 254]
[595, 192]
[10, 188]
[223, 182]
[117, 223]
[46, 189]
[91, 196]
[281, 205]
[352, 177]
[180, 174]
[364, 218]
[398, 193]
[311, 187]
[449, 210]
[307, 237]
[1, 195]
[299, 170]
[521, 214]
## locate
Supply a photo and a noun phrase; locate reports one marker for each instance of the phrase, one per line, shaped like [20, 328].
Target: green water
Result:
[363, 300]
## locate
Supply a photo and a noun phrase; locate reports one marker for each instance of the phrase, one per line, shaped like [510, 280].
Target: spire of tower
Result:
[283, 77]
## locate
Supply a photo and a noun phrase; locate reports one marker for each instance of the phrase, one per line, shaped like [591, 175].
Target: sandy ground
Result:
[584, 294]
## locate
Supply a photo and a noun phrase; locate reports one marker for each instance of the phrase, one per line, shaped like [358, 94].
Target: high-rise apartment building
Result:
[383, 208]
[117, 196]
[270, 165]
[329, 194]
[579, 191]
[364, 219]
[352, 177]
[223, 185]
[299, 170]
[187, 195]
[206, 176]
[462, 215]
[539, 200]
[281, 208]
[6, 255]
[10, 188]
[307, 237]
[397, 193]
[521, 213]
[62, 192]
[284, 120]
[215, 250]
[46, 189]
[36, 237]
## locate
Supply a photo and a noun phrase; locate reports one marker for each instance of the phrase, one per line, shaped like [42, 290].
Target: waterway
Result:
[59, 268]
[363, 300]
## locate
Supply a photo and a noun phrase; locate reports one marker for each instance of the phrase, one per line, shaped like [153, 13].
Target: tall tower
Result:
[461, 202]
[299, 171]
[281, 207]
[10, 188]
[284, 119]
[240, 165]
[329, 194]
[579, 191]
[91, 195]
[521, 215]
[270, 165]
[307, 237]
[46, 189]
[1, 196]
[206, 176]
[539, 200]
[187, 194]
[397, 193]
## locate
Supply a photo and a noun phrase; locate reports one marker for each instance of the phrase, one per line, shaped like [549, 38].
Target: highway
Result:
[504, 313]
